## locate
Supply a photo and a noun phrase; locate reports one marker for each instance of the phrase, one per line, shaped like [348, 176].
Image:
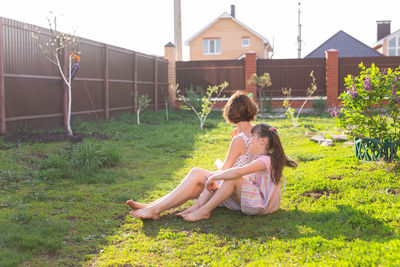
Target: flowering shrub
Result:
[370, 106]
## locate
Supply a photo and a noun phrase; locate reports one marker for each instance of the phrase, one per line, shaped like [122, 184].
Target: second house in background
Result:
[227, 38]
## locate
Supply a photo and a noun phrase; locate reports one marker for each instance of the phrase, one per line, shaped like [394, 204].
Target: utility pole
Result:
[178, 29]
[299, 34]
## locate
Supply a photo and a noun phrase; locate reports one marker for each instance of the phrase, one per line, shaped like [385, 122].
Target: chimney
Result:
[233, 11]
[383, 28]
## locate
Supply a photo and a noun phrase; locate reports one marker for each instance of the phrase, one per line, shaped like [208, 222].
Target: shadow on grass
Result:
[346, 222]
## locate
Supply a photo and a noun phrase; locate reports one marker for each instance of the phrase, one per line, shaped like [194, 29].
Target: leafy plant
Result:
[85, 157]
[143, 102]
[319, 105]
[194, 97]
[206, 102]
[92, 154]
[290, 112]
[261, 82]
[370, 104]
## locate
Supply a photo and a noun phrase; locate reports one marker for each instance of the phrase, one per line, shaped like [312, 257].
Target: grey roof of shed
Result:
[347, 46]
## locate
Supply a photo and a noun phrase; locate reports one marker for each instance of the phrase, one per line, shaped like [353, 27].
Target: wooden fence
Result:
[109, 81]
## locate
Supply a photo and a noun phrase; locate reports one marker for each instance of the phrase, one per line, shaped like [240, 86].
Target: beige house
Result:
[388, 43]
[227, 38]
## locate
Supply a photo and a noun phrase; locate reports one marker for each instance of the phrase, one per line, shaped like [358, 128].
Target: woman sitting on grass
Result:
[239, 110]
[255, 187]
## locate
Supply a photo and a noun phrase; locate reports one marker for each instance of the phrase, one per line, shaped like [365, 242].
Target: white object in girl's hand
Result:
[218, 164]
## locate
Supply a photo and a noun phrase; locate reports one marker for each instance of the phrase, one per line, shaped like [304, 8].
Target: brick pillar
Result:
[250, 68]
[332, 77]
[169, 54]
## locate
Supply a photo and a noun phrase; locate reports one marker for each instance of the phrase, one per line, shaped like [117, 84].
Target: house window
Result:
[394, 46]
[211, 46]
[245, 42]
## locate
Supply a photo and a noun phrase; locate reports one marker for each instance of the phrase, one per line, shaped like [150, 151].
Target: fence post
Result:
[2, 96]
[135, 89]
[250, 68]
[169, 54]
[106, 93]
[155, 84]
[332, 77]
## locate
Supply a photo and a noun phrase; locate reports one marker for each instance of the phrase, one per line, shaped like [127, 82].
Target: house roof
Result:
[227, 16]
[380, 42]
[347, 46]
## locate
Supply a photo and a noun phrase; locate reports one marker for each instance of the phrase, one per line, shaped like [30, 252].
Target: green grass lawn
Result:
[335, 209]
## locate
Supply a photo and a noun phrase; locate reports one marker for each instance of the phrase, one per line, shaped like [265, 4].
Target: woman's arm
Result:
[236, 149]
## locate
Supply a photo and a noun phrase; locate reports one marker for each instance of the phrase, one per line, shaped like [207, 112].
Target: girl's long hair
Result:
[275, 150]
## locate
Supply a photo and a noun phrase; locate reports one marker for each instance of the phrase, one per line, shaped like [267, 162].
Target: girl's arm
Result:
[234, 173]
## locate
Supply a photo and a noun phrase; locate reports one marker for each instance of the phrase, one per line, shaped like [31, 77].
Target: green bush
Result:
[319, 105]
[370, 104]
[55, 161]
[83, 160]
[92, 154]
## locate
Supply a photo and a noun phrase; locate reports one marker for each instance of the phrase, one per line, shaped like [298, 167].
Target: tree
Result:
[62, 50]
[290, 112]
[143, 102]
[261, 82]
[206, 101]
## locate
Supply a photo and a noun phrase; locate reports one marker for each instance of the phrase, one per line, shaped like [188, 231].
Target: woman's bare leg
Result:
[138, 205]
[228, 188]
[191, 187]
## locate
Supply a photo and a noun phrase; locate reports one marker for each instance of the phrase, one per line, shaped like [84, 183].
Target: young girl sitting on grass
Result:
[255, 188]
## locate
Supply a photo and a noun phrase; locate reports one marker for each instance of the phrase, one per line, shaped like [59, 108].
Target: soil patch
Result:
[335, 177]
[394, 191]
[47, 137]
[318, 193]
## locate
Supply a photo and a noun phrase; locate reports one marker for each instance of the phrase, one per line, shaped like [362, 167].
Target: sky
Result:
[148, 25]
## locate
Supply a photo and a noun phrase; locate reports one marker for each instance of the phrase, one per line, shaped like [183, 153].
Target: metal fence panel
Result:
[204, 73]
[293, 73]
[34, 89]
[350, 66]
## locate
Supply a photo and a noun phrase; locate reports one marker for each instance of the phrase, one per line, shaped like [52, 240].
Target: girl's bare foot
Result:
[187, 211]
[136, 205]
[196, 216]
[146, 213]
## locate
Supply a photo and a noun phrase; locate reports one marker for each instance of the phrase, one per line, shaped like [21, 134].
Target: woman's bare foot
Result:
[146, 213]
[187, 211]
[196, 216]
[136, 205]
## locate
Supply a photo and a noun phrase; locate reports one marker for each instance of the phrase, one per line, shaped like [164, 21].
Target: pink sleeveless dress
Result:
[260, 195]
